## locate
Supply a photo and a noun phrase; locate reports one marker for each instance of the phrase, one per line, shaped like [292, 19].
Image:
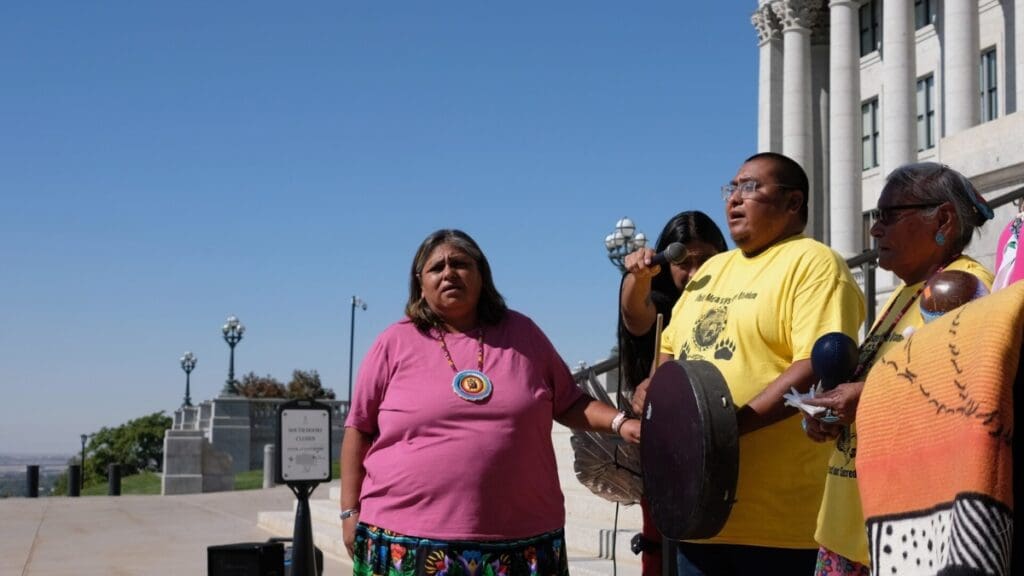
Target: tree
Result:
[307, 385]
[137, 445]
[253, 386]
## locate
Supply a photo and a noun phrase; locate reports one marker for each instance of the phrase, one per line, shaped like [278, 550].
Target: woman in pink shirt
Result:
[447, 462]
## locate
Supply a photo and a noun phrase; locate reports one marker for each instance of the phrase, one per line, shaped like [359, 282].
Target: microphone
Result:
[834, 358]
[674, 253]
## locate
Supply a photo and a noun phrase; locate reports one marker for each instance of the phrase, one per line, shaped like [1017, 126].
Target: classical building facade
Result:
[854, 88]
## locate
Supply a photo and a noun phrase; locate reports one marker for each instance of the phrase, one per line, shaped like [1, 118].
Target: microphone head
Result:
[675, 253]
[834, 358]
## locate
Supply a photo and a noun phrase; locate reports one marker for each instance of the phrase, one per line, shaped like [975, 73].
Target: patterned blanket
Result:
[935, 452]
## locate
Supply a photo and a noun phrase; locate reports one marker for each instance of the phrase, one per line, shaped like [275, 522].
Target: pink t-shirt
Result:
[446, 468]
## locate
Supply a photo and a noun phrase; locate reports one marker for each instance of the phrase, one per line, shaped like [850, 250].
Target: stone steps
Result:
[326, 535]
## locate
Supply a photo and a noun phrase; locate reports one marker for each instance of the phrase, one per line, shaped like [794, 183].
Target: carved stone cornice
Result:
[797, 13]
[766, 24]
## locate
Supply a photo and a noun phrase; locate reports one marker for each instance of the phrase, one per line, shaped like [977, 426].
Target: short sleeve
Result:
[668, 344]
[826, 300]
[564, 391]
[371, 382]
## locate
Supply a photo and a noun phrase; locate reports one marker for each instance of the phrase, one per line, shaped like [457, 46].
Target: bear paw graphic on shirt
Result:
[725, 349]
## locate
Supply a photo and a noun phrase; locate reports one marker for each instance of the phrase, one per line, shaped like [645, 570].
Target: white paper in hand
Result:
[796, 400]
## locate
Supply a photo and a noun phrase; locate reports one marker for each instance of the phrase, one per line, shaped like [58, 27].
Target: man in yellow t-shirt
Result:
[755, 313]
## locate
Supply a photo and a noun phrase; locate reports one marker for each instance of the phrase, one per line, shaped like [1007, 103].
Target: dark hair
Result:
[684, 227]
[490, 308]
[789, 174]
[637, 352]
[927, 182]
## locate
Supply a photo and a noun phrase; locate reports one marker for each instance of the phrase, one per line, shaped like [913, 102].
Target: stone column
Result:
[845, 204]
[962, 57]
[1018, 56]
[818, 220]
[183, 462]
[230, 429]
[899, 91]
[796, 17]
[769, 84]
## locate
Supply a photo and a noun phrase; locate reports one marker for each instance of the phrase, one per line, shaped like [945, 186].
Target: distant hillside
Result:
[21, 460]
[13, 472]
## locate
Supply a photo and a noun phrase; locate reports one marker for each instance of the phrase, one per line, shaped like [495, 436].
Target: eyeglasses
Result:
[748, 189]
[889, 215]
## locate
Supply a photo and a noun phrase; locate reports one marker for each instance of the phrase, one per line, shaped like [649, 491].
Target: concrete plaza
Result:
[135, 535]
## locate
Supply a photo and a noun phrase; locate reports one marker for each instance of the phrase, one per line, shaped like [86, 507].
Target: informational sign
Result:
[304, 442]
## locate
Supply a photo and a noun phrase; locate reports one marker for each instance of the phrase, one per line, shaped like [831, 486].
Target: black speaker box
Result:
[246, 559]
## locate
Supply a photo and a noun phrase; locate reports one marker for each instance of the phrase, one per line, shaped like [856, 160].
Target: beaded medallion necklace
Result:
[471, 385]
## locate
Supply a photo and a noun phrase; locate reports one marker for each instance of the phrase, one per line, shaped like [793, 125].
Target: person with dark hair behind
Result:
[647, 291]
[447, 461]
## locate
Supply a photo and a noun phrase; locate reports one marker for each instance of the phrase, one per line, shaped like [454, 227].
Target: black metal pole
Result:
[229, 387]
[232, 331]
[351, 348]
[84, 437]
[188, 363]
[188, 397]
[74, 480]
[869, 291]
[231, 364]
[113, 480]
[303, 550]
[32, 481]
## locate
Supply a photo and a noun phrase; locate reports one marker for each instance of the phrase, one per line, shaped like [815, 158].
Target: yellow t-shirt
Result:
[752, 318]
[841, 526]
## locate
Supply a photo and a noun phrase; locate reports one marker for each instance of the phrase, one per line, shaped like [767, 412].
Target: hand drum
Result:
[690, 450]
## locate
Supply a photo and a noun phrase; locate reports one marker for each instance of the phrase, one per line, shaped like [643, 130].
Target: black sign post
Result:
[304, 460]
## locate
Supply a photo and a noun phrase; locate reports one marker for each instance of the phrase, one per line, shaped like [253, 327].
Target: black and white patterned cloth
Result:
[971, 535]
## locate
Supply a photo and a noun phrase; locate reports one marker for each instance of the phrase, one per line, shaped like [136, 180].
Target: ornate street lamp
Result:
[84, 438]
[188, 362]
[233, 331]
[624, 240]
[351, 342]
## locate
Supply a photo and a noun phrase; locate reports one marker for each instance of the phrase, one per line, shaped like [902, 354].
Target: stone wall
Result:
[241, 427]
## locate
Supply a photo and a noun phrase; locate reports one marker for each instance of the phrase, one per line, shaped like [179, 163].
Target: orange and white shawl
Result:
[935, 452]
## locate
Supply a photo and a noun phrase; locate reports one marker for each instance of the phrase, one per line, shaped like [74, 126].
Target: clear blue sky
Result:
[164, 165]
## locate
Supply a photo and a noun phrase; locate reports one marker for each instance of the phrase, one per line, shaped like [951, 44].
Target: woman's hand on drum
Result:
[841, 402]
[640, 396]
[630, 430]
[638, 263]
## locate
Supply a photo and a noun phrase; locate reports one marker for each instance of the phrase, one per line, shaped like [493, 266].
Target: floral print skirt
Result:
[379, 552]
[832, 564]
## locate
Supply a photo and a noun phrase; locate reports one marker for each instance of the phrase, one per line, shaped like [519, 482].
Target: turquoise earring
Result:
[940, 238]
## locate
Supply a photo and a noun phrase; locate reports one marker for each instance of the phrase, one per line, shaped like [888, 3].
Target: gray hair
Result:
[928, 182]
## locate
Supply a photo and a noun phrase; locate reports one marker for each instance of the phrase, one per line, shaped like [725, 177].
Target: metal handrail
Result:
[869, 255]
